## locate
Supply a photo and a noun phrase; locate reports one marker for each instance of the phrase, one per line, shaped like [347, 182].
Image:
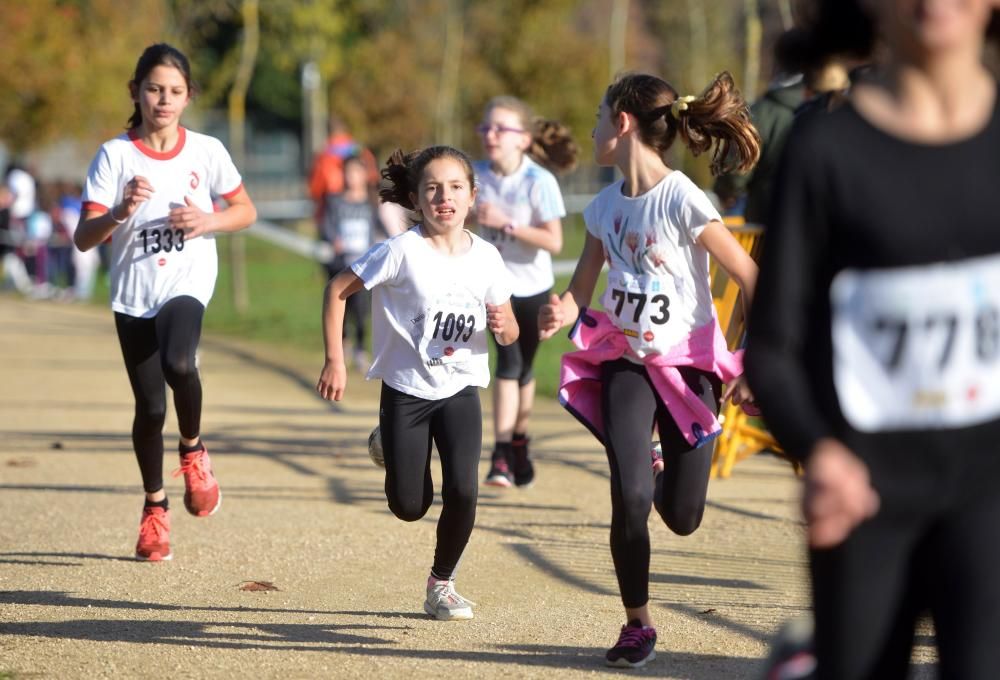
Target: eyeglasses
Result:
[497, 129]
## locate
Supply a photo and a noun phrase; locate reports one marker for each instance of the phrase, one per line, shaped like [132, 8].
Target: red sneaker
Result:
[154, 535]
[201, 491]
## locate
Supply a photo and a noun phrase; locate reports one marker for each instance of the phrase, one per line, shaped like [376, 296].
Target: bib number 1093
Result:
[458, 327]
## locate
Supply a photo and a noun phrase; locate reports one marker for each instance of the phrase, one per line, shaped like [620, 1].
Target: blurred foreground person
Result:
[875, 339]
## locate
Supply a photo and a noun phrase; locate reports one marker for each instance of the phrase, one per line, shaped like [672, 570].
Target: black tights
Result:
[160, 351]
[630, 407]
[409, 425]
[515, 361]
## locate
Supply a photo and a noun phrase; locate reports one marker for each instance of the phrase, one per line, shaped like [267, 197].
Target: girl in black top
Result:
[875, 340]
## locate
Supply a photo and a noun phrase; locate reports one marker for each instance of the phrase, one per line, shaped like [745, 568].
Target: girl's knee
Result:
[682, 520]
[180, 368]
[409, 510]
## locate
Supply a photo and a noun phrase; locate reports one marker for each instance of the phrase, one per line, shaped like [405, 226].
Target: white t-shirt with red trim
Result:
[151, 262]
[429, 313]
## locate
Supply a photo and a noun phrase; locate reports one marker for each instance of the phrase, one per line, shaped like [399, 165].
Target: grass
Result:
[286, 297]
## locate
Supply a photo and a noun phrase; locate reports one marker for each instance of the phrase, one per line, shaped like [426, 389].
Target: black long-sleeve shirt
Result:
[849, 196]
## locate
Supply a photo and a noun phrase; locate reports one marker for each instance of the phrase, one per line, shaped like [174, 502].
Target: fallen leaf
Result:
[258, 586]
[21, 462]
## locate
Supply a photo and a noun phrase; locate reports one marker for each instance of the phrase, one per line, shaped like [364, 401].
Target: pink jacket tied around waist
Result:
[600, 340]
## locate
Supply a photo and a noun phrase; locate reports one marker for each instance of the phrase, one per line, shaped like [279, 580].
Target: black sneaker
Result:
[635, 647]
[499, 474]
[524, 471]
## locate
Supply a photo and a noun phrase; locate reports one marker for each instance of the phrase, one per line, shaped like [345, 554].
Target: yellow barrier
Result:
[741, 435]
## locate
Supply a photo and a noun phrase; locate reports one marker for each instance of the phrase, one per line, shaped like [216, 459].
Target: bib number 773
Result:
[638, 301]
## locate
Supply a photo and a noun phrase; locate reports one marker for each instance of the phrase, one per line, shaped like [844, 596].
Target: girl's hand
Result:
[137, 190]
[551, 318]
[489, 215]
[496, 318]
[332, 380]
[192, 219]
[838, 494]
[739, 391]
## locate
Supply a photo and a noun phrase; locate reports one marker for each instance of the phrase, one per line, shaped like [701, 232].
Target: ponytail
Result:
[552, 146]
[719, 117]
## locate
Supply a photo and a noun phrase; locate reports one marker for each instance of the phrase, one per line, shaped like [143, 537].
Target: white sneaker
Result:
[444, 604]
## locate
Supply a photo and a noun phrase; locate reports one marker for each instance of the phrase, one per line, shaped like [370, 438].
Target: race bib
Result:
[355, 235]
[642, 307]
[918, 347]
[158, 237]
[450, 327]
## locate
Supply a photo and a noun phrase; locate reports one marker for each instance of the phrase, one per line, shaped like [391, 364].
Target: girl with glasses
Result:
[520, 210]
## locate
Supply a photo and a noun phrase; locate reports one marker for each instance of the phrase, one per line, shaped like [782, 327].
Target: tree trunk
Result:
[447, 131]
[617, 37]
[751, 75]
[787, 17]
[237, 140]
[698, 24]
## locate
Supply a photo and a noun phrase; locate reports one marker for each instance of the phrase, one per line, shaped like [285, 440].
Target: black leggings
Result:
[409, 426]
[631, 406]
[514, 361]
[932, 547]
[160, 351]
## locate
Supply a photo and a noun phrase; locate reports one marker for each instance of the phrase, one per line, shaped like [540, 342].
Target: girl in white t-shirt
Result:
[520, 211]
[151, 191]
[437, 290]
[656, 357]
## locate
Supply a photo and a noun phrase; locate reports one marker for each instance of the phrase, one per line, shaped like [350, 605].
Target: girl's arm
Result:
[728, 252]
[547, 235]
[562, 311]
[239, 214]
[500, 320]
[95, 226]
[333, 377]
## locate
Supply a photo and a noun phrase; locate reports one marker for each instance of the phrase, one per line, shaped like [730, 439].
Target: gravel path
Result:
[304, 510]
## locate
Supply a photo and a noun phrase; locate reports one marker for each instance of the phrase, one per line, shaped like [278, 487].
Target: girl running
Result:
[520, 211]
[437, 291]
[875, 345]
[656, 357]
[350, 223]
[151, 190]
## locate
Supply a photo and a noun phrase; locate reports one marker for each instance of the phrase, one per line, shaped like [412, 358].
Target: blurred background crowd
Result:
[289, 84]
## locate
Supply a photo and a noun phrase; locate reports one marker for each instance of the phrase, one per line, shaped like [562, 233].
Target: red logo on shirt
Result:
[162, 261]
[195, 181]
[648, 336]
[448, 351]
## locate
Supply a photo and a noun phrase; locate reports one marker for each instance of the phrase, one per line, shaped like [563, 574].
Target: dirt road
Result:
[304, 509]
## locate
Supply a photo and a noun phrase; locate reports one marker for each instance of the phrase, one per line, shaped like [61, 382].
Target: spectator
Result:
[327, 175]
[772, 115]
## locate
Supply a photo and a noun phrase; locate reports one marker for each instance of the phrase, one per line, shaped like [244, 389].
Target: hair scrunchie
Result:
[681, 104]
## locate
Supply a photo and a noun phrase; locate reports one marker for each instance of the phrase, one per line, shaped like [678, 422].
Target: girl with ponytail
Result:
[656, 357]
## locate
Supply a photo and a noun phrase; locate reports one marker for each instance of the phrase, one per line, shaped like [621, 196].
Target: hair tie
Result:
[681, 104]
